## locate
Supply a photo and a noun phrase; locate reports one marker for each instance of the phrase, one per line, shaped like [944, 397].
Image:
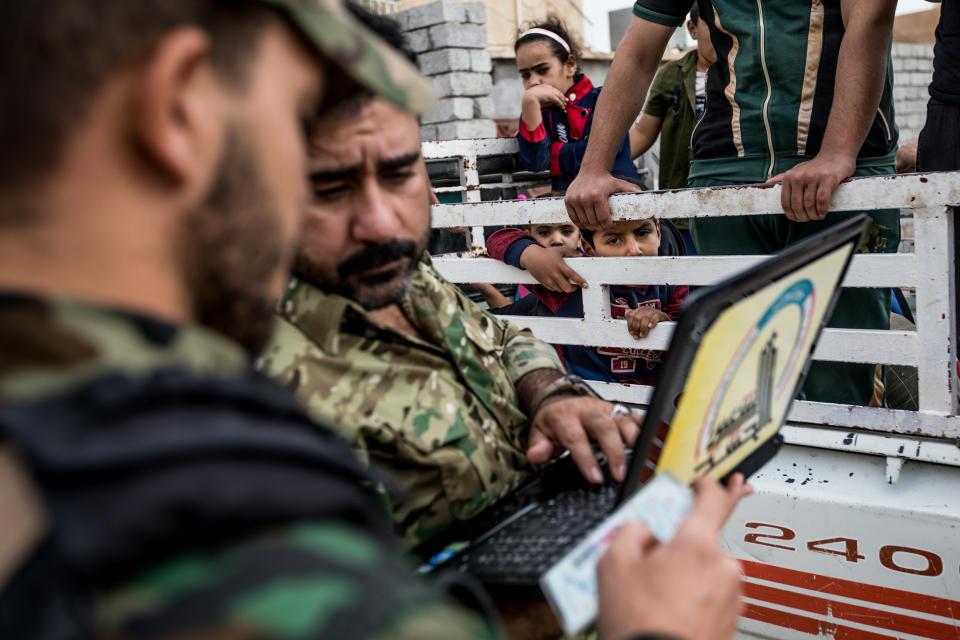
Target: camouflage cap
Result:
[358, 51]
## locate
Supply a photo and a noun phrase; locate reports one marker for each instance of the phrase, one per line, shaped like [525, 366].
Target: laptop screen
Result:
[747, 368]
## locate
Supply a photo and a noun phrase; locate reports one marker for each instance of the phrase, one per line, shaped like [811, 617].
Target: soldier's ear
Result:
[176, 108]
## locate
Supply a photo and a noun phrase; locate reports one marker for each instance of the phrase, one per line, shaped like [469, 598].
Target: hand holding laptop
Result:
[688, 588]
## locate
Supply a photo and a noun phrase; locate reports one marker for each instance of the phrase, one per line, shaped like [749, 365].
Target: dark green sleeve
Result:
[311, 581]
[525, 306]
[661, 93]
[670, 13]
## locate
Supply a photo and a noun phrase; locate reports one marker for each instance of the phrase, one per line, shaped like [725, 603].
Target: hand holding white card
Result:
[571, 585]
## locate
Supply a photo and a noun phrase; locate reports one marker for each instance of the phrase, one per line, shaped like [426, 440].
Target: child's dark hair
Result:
[549, 194]
[586, 235]
[555, 25]
[695, 13]
[389, 31]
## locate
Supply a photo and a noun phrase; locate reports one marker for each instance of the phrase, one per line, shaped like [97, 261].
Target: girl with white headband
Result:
[557, 106]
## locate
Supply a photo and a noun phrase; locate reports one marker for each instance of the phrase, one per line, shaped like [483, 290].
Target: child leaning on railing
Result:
[643, 306]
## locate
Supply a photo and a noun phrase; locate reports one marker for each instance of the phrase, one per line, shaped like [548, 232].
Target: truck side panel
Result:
[830, 548]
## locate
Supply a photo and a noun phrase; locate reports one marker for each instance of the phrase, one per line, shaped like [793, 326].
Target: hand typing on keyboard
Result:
[570, 422]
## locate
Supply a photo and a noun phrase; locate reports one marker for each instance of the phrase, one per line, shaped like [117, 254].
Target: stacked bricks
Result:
[912, 71]
[450, 40]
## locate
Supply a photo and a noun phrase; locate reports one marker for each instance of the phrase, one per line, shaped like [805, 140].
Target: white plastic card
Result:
[570, 586]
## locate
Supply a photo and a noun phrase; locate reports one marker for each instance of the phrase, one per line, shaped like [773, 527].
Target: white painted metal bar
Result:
[925, 423]
[638, 394]
[933, 227]
[477, 240]
[908, 423]
[879, 192]
[835, 345]
[489, 185]
[919, 449]
[457, 189]
[867, 270]
[470, 180]
[460, 148]
[596, 308]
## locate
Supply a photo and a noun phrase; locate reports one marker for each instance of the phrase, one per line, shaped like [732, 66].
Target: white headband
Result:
[549, 34]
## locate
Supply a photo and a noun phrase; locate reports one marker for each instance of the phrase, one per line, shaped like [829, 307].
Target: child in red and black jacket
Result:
[642, 306]
[557, 106]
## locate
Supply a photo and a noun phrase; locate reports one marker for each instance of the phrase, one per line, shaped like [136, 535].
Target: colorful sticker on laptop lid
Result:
[743, 376]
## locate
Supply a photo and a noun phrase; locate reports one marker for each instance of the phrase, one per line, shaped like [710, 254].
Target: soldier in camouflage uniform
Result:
[451, 400]
[153, 486]
[150, 184]
[440, 410]
[290, 565]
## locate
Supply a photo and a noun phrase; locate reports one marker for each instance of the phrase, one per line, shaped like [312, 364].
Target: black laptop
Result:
[737, 358]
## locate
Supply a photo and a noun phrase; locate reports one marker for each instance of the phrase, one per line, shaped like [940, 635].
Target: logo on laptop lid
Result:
[746, 370]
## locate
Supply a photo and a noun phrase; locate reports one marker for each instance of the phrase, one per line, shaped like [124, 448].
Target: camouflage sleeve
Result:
[317, 580]
[523, 353]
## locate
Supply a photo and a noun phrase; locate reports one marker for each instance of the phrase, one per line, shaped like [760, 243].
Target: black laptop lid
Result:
[740, 352]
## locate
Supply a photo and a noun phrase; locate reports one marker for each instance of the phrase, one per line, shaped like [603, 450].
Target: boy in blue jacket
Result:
[642, 306]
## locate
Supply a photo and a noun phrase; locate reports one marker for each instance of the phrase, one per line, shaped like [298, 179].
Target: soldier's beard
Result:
[231, 250]
[360, 276]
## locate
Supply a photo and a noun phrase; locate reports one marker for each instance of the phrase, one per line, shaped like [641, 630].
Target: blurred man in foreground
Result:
[150, 192]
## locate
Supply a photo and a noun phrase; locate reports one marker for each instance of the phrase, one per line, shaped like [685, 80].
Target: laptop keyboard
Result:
[523, 549]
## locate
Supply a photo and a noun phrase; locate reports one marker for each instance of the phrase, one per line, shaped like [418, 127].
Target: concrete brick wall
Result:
[450, 40]
[912, 71]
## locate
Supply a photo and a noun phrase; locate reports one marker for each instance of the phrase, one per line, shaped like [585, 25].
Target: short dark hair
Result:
[351, 98]
[55, 55]
[555, 25]
[586, 235]
[387, 28]
[695, 13]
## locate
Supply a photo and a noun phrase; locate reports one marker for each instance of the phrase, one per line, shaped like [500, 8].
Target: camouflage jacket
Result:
[226, 574]
[440, 413]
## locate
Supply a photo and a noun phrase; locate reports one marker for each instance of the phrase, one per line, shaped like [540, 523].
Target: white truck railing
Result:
[469, 152]
[930, 434]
